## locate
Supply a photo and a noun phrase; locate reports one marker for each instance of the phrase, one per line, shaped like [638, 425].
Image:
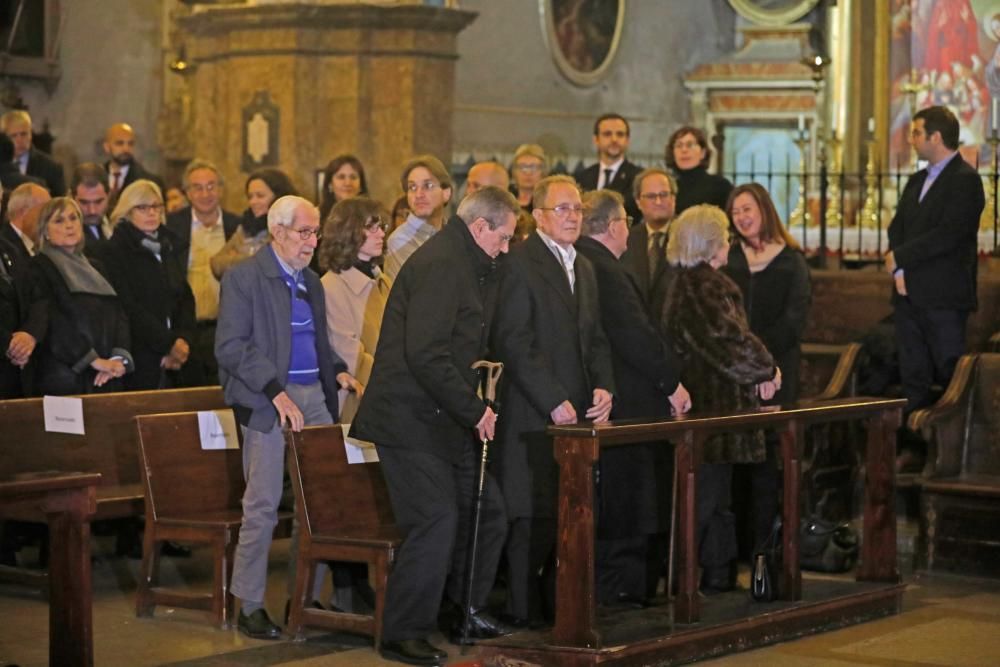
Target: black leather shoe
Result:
[482, 625]
[315, 604]
[258, 625]
[718, 579]
[175, 550]
[413, 652]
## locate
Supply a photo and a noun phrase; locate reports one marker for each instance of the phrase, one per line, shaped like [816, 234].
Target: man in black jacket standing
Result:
[423, 414]
[647, 378]
[932, 257]
[612, 171]
[30, 161]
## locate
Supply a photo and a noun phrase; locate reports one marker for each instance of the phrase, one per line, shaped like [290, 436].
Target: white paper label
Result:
[217, 429]
[358, 451]
[63, 414]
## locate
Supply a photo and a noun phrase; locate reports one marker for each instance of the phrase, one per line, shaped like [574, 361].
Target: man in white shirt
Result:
[612, 171]
[427, 185]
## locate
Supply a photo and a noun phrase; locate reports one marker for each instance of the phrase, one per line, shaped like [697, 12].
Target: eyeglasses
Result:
[376, 222]
[304, 234]
[627, 220]
[426, 186]
[687, 144]
[148, 208]
[207, 187]
[563, 211]
[528, 167]
[504, 238]
[653, 196]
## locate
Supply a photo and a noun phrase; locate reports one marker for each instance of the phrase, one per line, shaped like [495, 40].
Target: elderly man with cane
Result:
[422, 410]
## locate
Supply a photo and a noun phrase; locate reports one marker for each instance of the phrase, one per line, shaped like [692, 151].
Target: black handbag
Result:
[825, 546]
[766, 566]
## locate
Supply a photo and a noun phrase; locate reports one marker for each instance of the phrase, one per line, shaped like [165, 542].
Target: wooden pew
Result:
[960, 484]
[109, 447]
[657, 637]
[344, 514]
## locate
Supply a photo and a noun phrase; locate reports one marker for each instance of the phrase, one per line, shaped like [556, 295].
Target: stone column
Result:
[293, 84]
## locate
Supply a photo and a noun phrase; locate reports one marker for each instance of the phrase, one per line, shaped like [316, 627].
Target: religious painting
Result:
[945, 52]
[582, 36]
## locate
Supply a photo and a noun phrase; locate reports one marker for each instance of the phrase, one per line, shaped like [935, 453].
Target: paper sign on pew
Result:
[217, 429]
[358, 451]
[63, 414]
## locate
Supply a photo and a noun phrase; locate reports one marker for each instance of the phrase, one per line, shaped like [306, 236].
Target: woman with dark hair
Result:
[725, 367]
[356, 291]
[767, 265]
[688, 155]
[263, 188]
[343, 178]
[85, 346]
[150, 277]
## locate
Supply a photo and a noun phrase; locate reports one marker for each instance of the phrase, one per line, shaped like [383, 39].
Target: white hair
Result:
[283, 210]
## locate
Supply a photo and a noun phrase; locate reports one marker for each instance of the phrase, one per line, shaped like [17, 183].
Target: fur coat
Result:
[722, 360]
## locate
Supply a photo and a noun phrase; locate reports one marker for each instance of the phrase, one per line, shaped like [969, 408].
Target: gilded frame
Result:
[570, 65]
[772, 17]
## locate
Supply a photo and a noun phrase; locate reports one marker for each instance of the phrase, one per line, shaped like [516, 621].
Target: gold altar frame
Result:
[574, 74]
[762, 16]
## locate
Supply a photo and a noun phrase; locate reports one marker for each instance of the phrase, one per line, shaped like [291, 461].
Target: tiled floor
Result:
[948, 621]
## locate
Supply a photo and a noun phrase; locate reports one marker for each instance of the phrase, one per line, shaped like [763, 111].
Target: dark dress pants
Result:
[530, 580]
[433, 500]
[929, 342]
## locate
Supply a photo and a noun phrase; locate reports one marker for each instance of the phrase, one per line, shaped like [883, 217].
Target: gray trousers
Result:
[263, 467]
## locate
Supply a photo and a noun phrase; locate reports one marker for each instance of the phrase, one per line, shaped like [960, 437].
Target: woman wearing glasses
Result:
[150, 277]
[688, 155]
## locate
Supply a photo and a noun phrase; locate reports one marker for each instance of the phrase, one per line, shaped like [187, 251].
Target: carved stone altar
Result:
[373, 80]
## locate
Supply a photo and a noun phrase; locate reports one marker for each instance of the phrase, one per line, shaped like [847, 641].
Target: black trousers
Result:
[201, 369]
[433, 500]
[929, 342]
[530, 583]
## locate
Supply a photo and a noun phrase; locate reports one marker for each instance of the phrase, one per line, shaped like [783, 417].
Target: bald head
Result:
[119, 143]
[484, 174]
[25, 203]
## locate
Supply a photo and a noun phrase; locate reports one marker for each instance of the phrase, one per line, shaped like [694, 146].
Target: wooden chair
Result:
[344, 514]
[192, 496]
[960, 484]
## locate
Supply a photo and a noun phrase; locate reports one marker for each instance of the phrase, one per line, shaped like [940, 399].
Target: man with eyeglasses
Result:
[557, 370]
[647, 380]
[202, 228]
[422, 412]
[427, 185]
[656, 192]
[277, 368]
[612, 171]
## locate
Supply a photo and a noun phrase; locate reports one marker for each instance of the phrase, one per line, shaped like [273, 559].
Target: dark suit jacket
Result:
[135, 172]
[10, 235]
[553, 347]
[11, 177]
[179, 223]
[636, 259]
[18, 312]
[934, 240]
[41, 165]
[621, 183]
[422, 391]
[646, 373]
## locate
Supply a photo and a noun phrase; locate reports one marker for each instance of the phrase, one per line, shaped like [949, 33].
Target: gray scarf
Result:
[79, 274]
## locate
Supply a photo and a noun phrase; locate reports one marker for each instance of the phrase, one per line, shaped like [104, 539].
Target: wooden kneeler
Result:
[192, 496]
[344, 514]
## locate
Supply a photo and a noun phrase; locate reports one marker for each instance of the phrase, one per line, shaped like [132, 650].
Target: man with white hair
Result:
[30, 161]
[276, 367]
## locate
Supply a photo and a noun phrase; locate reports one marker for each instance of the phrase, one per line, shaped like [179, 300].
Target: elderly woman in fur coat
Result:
[726, 369]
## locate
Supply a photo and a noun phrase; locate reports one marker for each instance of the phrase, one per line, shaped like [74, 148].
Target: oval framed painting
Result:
[582, 36]
[772, 13]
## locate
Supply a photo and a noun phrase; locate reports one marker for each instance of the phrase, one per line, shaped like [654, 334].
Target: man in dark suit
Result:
[122, 167]
[558, 370]
[21, 227]
[932, 257]
[656, 192]
[647, 379]
[89, 188]
[30, 161]
[422, 412]
[612, 171]
[202, 229]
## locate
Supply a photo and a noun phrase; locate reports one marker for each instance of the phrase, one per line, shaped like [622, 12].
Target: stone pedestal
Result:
[294, 84]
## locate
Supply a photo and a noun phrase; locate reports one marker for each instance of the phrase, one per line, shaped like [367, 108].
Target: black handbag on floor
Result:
[825, 546]
[765, 569]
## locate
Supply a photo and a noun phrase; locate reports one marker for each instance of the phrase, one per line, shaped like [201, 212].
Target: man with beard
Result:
[656, 193]
[89, 188]
[123, 169]
[613, 171]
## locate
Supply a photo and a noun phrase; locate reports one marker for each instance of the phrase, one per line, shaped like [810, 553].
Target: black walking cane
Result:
[493, 369]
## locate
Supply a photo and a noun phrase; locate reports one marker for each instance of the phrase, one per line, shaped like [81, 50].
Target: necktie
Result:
[607, 178]
[656, 253]
[117, 182]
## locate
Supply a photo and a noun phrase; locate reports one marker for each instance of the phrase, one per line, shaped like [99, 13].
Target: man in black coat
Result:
[932, 257]
[30, 161]
[646, 257]
[557, 370]
[612, 171]
[647, 379]
[89, 187]
[122, 167]
[423, 414]
[22, 323]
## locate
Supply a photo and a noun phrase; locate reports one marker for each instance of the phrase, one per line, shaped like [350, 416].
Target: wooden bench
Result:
[192, 496]
[344, 514]
[108, 447]
[960, 484]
